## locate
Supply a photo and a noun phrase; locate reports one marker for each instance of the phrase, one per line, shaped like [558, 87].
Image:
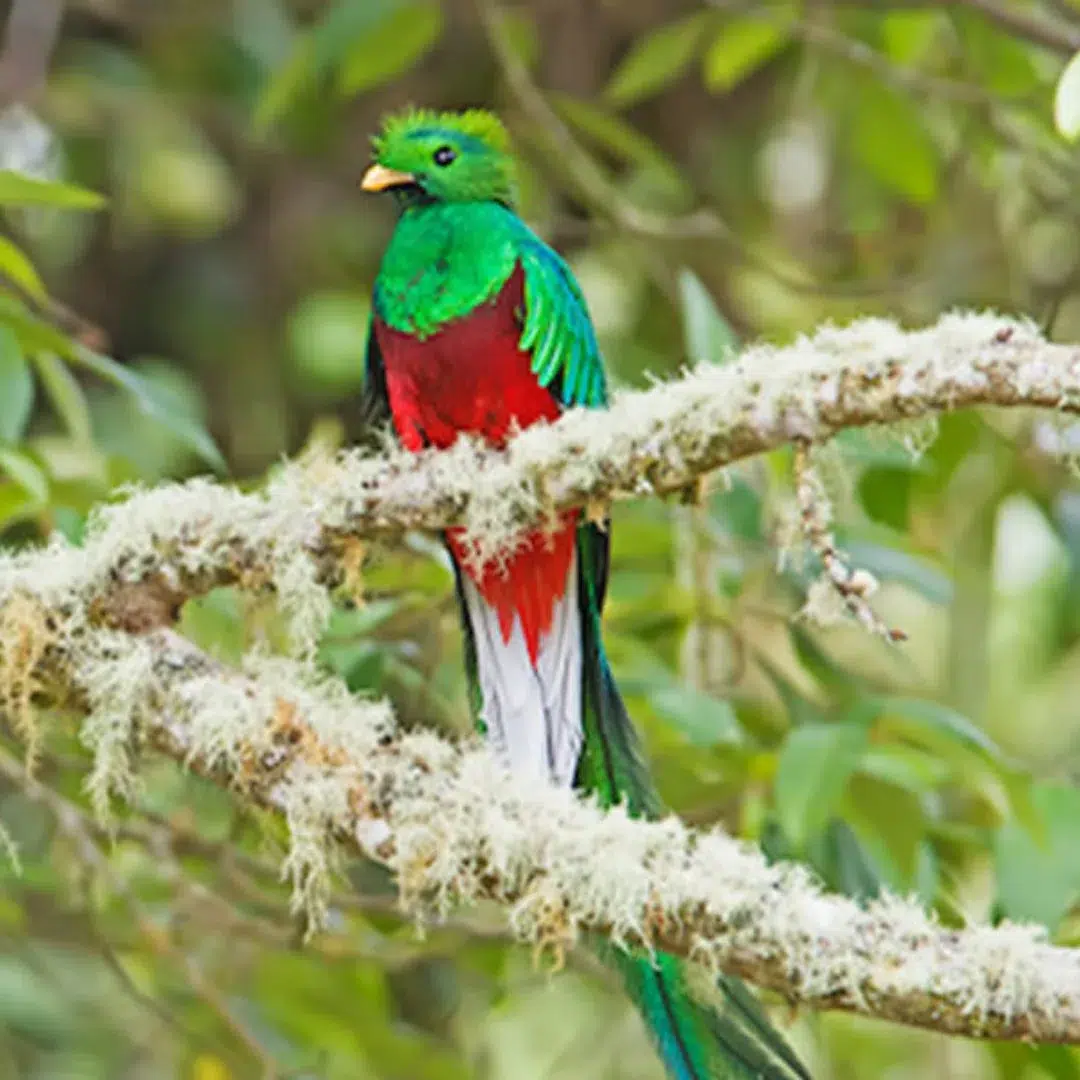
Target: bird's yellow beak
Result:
[380, 178]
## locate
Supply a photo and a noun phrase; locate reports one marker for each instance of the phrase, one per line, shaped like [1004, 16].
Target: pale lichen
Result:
[26, 631]
[450, 823]
[455, 827]
[191, 537]
[850, 588]
[115, 672]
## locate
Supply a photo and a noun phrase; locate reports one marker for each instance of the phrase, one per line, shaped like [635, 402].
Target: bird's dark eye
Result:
[444, 155]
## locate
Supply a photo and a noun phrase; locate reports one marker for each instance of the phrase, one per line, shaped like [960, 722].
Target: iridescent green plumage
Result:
[477, 124]
[445, 259]
[459, 250]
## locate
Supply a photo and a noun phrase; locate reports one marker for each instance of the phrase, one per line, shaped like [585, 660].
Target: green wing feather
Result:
[375, 404]
[557, 331]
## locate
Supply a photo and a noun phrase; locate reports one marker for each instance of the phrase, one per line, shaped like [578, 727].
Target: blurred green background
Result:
[737, 170]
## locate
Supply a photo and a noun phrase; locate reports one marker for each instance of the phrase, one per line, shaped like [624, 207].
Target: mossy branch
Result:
[141, 559]
[456, 828]
[83, 627]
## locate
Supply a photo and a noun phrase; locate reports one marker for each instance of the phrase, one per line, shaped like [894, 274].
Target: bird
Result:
[479, 328]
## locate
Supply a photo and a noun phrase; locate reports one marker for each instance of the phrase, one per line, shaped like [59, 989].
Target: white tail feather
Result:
[532, 714]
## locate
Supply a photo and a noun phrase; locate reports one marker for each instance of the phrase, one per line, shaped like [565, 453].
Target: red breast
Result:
[471, 377]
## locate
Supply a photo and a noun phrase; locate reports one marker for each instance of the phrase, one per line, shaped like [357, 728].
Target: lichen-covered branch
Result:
[141, 559]
[850, 588]
[82, 626]
[456, 828]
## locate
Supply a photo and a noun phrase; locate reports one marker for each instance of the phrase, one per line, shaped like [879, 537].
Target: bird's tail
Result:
[702, 1030]
[559, 714]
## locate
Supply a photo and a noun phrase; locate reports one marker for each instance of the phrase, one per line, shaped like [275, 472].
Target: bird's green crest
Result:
[451, 156]
[477, 123]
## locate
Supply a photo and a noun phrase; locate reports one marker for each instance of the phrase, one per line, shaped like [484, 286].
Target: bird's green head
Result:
[422, 155]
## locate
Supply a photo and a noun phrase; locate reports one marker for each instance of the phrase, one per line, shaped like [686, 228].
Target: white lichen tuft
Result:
[917, 436]
[116, 674]
[314, 801]
[303, 599]
[824, 606]
[850, 588]
[287, 715]
[26, 632]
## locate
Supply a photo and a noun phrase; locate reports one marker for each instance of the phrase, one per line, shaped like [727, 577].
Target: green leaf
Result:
[32, 1008]
[18, 189]
[16, 504]
[955, 739]
[323, 331]
[709, 337]
[905, 766]
[1059, 1062]
[704, 720]
[934, 726]
[354, 623]
[262, 31]
[186, 429]
[867, 448]
[657, 60]
[391, 48]
[17, 267]
[738, 510]
[885, 494]
[16, 388]
[1022, 1059]
[815, 765]
[801, 710]
[889, 137]
[1003, 65]
[215, 622]
[295, 76]
[844, 864]
[1067, 101]
[909, 36]
[612, 133]
[893, 564]
[838, 680]
[26, 473]
[1039, 877]
[741, 47]
[32, 332]
[315, 53]
[891, 823]
[66, 395]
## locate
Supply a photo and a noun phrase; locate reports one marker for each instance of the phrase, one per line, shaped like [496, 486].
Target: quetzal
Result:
[479, 327]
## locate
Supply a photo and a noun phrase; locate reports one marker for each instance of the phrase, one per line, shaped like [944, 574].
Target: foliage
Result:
[859, 158]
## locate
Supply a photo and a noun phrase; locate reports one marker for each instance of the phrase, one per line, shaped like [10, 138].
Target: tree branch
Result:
[32, 29]
[456, 828]
[1051, 34]
[141, 559]
[450, 823]
[1059, 35]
